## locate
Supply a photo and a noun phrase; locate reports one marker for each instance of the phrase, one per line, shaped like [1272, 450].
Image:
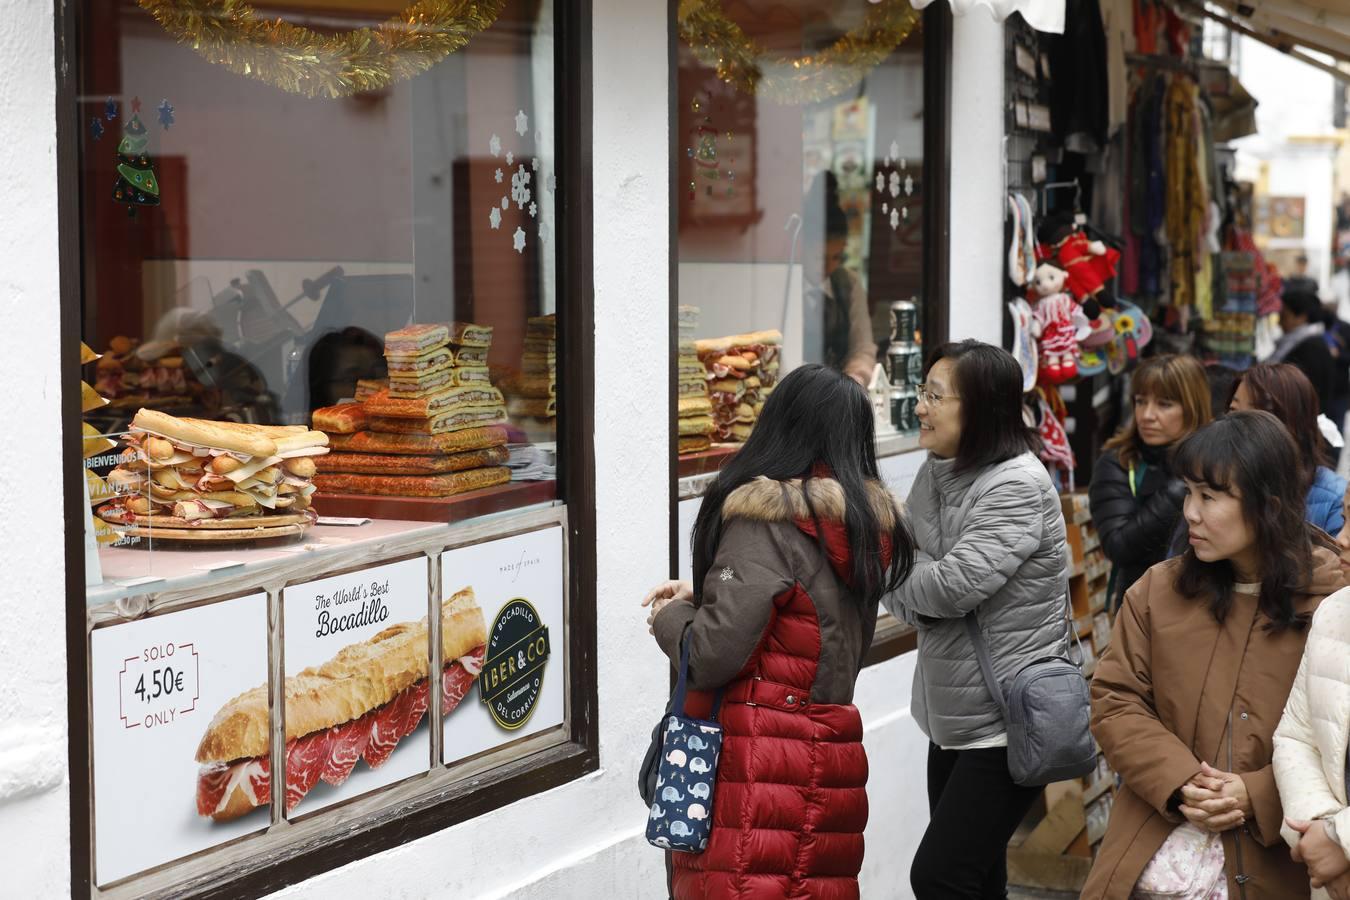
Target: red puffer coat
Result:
[779, 626]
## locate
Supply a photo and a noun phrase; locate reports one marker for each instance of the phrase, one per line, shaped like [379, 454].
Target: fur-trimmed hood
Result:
[766, 500]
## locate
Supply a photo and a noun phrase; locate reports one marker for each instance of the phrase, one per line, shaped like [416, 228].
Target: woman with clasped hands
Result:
[1205, 648]
[1311, 764]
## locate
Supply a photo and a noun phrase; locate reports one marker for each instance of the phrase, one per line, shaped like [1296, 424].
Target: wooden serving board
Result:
[257, 533]
[245, 524]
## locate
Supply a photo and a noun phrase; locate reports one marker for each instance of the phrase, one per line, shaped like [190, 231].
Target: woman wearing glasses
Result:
[1135, 498]
[990, 535]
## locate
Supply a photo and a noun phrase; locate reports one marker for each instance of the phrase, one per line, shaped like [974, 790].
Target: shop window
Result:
[801, 182]
[325, 282]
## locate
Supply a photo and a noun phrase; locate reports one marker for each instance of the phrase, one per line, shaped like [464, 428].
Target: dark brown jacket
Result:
[1163, 696]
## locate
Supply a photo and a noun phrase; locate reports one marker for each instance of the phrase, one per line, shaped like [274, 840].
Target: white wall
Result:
[977, 200]
[34, 810]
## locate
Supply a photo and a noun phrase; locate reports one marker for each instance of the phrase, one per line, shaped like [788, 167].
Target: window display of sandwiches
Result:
[195, 479]
[696, 424]
[353, 709]
[129, 375]
[532, 391]
[741, 370]
[432, 431]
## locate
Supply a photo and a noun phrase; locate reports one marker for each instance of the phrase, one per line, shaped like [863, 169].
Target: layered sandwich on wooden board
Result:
[180, 473]
[357, 706]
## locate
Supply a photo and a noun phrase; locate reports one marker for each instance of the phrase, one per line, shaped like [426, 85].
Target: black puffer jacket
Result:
[1135, 530]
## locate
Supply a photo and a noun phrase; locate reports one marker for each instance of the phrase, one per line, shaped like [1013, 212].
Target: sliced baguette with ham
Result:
[359, 704]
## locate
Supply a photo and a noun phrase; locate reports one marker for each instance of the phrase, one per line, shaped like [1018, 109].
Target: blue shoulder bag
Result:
[680, 815]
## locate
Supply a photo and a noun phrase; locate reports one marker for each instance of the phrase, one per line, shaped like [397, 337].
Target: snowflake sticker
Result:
[909, 185]
[881, 182]
[534, 164]
[543, 231]
[522, 123]
[506, 203]
[110, 109]
[96, 127]
[895, 184]
[495, 218]
[518, 240]
[895, 151]
[895, 219]
[520, 191]
[552, 183]
[495, 146]
[498, 175]
[534, 210]
[885, 208]
[165, 114]
[510, 158]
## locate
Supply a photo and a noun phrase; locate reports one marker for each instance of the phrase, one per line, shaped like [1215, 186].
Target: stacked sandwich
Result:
[432, 432]
[130, 376]
[741, 370]
[533, 392]
[186, 473]
[695, 409]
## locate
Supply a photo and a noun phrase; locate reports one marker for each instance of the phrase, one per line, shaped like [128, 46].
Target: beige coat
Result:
[1310, 744]
[1163, 696]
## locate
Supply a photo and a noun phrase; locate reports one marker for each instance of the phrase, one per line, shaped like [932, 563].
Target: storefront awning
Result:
[1318, 25]
[1043, 15]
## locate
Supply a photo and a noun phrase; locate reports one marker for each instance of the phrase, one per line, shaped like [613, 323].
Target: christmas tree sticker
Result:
[136, 181]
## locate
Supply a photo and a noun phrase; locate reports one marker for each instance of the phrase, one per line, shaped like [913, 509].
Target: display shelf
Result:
[458, 508]
[173, 569]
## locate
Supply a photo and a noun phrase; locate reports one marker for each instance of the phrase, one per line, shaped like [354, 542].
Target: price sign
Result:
[155, 686]
[159, 684]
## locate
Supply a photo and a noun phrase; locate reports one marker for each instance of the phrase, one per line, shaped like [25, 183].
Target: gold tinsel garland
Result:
[720, 43]
[230, 33]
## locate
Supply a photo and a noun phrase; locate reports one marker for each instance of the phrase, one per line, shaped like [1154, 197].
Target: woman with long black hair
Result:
[794, 545]
[991, 545]
[1186, 699]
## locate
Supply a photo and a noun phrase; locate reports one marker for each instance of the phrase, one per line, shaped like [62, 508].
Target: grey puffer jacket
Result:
[990, 541]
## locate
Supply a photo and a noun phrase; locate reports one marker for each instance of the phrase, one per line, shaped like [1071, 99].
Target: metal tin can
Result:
[904, 321]
[904, 364]
[904, 403]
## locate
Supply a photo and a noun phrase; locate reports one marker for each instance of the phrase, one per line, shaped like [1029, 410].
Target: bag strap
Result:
[682, 683]
[986, 665]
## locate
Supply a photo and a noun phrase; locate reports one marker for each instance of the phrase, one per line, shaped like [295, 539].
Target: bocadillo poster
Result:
[155, 685]
[357, 655]
[512, 683]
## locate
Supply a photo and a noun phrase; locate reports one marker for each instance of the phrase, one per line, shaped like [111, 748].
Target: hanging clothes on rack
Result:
[1186, 203]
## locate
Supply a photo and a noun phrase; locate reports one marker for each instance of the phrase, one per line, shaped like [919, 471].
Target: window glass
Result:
[314, 215]
[799, 190]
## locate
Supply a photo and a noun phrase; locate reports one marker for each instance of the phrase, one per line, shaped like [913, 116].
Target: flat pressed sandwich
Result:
[470, 355]
[345, 418]
[421, 444]
[423, 385]
[357, 706]
[453, 419]
[467, 334]
[409, 368]
[532, 407]
[447, 484]
[415, 340]
[179, 472]
[408, 464]
[433, 404]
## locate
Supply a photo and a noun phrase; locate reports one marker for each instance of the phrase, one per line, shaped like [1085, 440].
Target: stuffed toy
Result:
[1055, 323]
[1090, 264]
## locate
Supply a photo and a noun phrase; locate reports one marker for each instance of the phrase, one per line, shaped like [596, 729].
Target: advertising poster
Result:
[357, 653]
[171, 776]
[504, 641]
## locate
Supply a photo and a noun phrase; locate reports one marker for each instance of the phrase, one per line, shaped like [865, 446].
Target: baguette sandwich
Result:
[358, 705]
[182, 472]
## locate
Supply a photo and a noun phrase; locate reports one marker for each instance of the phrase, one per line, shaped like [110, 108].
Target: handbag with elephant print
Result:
[680, 815]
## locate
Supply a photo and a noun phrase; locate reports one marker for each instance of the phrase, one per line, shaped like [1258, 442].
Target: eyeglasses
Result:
[929, 398]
